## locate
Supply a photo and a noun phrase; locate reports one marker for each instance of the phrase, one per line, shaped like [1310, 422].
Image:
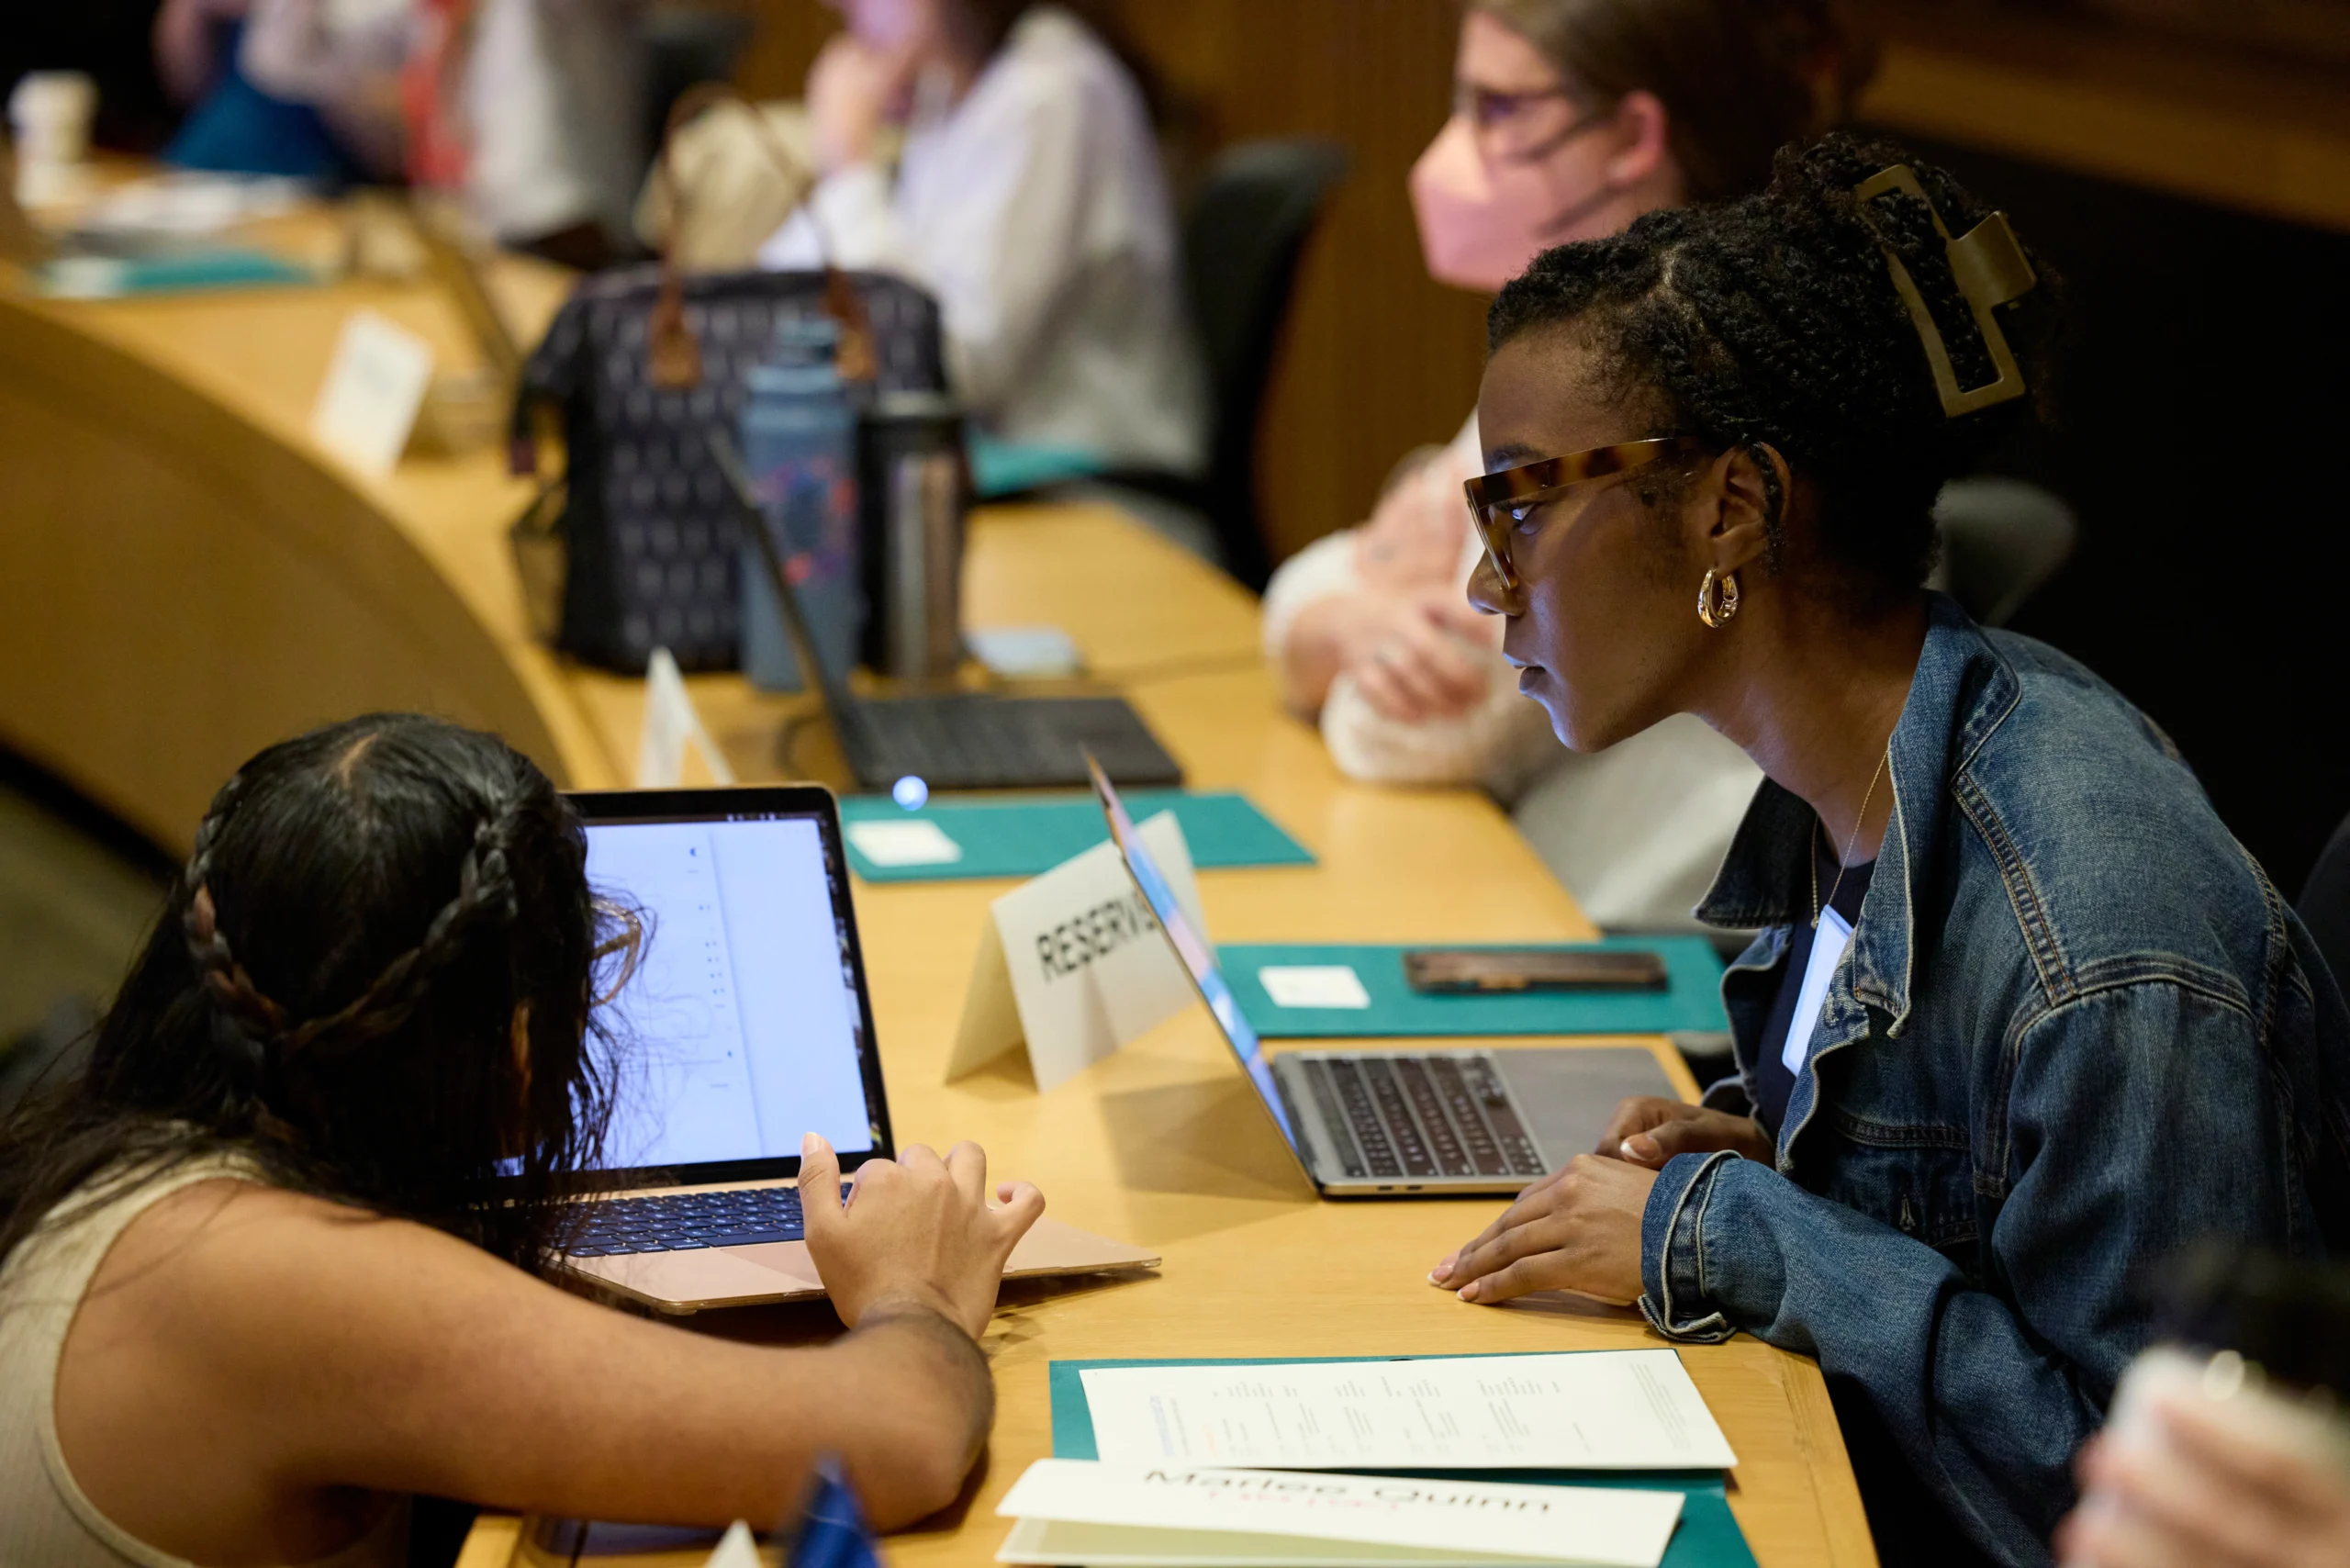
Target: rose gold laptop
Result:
[744, 1026]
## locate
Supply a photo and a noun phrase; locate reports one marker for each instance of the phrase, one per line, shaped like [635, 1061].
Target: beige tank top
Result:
[45, 1520]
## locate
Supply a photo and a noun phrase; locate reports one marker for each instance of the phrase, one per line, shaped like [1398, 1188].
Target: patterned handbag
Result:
[640, 551]
[635, 547]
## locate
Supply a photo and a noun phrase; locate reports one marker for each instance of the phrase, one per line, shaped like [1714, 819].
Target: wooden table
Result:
[185, 577]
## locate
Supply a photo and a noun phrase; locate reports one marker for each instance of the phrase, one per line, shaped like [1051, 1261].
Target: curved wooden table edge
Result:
[364, 535]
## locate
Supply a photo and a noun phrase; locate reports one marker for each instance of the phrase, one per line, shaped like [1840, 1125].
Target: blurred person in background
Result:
[1571, 118]
[2226, 1445]
[292, 87]
[529, 110]
[532, 110]
[2225, 1477]
[1030, 199]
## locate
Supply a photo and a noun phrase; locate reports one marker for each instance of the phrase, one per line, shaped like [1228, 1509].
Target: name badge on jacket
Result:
[1828, 944]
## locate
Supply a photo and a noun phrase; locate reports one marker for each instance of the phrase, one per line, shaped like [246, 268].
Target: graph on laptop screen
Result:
[740, 1029]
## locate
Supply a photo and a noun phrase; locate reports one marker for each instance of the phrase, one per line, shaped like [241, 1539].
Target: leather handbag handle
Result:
[674, 358]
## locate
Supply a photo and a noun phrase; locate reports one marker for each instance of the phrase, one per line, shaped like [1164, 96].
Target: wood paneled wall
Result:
[1377, 358]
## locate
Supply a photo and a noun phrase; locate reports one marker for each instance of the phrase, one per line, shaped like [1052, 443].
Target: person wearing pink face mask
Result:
[1571, 117]
[1029, 198]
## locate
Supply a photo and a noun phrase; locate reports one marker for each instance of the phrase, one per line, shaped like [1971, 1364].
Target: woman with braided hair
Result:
[2023, 1014]
[253, 1292]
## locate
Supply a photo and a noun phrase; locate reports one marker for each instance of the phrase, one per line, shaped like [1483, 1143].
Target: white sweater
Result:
[1036, 209]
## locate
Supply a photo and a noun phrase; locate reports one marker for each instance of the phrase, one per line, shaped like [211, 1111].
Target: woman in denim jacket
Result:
[2073, 1027]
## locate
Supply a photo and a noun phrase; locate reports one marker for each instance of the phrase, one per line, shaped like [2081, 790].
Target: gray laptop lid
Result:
[1199, 963]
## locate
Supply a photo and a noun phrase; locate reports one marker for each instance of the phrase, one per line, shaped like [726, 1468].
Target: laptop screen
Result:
[746, 1023]
[1199, 958]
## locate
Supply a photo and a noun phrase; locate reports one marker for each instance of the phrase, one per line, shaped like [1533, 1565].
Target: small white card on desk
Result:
[1179, 1514]
[1588, 1410]
[738, 1548]
[1314, 985]
[1024, 652]
[1073, 963]
[671, 724]
[373, 391]
[915, 841]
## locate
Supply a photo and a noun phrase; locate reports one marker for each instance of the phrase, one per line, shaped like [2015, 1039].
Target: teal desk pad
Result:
[192, 272]
[1028, 836]
[1707, 1537]
[1691, 1001]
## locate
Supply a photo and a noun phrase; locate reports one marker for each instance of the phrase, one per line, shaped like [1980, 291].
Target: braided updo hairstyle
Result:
[1774, 320]
[332, 990]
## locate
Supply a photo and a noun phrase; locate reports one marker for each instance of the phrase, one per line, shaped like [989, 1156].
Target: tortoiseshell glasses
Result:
[1500, 502]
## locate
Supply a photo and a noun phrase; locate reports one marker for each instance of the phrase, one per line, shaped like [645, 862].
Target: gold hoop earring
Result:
[1717, 599]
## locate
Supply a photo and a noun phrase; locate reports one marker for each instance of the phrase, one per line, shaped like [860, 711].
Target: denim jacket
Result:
[2076, 1029]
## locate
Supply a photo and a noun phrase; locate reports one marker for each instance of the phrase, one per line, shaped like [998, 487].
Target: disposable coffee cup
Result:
[49, 121]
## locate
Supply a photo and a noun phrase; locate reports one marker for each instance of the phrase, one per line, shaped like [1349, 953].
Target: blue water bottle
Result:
[799, 443]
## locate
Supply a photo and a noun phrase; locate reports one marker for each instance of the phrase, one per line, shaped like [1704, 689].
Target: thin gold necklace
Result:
[1850, 839]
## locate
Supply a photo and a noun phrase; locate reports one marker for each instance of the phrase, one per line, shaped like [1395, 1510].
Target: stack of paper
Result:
[1593, 1410]
[1218, 1466]
[1074, 1511]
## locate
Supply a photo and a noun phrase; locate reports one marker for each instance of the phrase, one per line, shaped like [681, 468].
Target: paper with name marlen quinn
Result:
[1172, 1514]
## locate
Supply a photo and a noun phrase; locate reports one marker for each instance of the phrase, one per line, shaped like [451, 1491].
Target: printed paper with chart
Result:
[1594, 1410]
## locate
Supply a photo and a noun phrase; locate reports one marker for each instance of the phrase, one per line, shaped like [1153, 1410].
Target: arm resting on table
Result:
[248, 1332]
[2138, 1118]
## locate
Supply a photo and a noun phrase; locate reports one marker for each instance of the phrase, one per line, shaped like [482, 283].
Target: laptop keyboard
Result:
[936, 737]
[678, 1222]
[1416, 1116]
[979, 740]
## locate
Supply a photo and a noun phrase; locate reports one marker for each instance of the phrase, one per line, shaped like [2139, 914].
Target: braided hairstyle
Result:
[1773, 320]
[334, 990]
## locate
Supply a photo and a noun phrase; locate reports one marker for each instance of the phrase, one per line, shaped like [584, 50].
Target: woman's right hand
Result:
[1649, 1130]
[917, 1229]
[854, 89]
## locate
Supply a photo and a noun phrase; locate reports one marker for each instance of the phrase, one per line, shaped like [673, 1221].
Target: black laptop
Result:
[960, 740]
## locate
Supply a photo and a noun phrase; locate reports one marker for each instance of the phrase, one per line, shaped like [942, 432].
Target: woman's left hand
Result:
[1577, 1230]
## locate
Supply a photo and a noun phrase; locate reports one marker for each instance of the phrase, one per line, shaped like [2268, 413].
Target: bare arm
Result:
[187, 52]
[265, 1350]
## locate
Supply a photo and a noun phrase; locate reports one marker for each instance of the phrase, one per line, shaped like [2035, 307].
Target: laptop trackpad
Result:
[1049, 1247]
[1569, 1092]
[790, 1257]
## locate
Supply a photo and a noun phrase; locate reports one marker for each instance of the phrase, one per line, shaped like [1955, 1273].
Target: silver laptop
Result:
[745, 1025]
[1367, 1124]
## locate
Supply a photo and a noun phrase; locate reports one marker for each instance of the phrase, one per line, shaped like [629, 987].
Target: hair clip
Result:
[1991, 269]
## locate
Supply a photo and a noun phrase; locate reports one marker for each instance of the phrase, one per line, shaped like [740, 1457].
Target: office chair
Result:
[2002, 541]
[1245, 229]
[685, 46]
[1242, 238]
[2324, 903]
